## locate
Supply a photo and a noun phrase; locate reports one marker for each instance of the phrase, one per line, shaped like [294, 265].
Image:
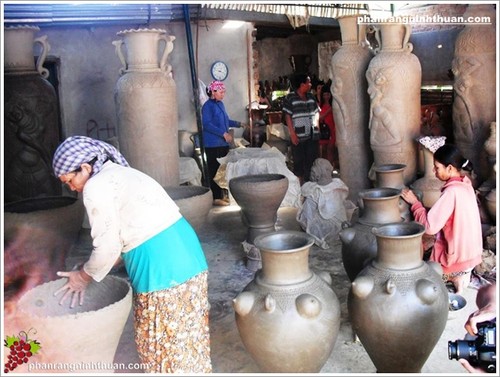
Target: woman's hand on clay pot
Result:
[409, 196]
[75, 286]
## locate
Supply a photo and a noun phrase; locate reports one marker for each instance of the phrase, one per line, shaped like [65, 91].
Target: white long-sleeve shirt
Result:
[125, 207]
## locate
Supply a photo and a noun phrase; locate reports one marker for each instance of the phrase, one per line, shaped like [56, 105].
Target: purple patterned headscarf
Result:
[77, 150]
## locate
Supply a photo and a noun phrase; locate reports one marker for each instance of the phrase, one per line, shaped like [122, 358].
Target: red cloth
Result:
[326, 116]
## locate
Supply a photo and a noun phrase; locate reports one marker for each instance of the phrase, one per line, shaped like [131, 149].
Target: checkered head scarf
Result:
[77, 150]
[216, 85]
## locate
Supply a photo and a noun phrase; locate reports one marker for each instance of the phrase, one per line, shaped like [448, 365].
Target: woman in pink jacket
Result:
[454, 218]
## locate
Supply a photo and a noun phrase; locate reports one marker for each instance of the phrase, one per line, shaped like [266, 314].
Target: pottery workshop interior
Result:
[331, 271]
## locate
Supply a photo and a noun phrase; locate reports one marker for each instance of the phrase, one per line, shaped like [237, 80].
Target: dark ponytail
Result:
[449, 154]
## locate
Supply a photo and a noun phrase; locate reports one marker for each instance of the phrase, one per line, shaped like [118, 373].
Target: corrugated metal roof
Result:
[325, 10]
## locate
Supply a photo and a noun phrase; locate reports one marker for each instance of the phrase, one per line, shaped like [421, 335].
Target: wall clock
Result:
[219, 70]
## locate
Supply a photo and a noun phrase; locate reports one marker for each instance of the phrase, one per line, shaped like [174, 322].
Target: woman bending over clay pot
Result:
[132, 216]
[454, 218]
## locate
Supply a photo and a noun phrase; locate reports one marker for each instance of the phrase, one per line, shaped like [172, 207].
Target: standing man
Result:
[302, 119]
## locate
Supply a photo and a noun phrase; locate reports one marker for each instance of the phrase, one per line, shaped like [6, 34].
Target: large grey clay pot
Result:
[392, 175]
[39, 233]
[398, 304]
[378, 206]
[86, 335]
[288, 316]
[259, 197]
[194, 203]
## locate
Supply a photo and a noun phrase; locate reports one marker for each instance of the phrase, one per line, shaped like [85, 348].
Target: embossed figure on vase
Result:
[394, 80]
[474, 105]
[350, 105]
[30, 117]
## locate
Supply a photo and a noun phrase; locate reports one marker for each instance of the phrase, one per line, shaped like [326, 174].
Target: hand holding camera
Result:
[479, 355]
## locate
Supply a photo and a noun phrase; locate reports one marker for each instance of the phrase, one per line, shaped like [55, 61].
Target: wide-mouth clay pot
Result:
[83, 338]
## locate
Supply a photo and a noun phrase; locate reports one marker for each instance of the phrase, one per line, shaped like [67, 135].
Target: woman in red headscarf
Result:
[216, 135]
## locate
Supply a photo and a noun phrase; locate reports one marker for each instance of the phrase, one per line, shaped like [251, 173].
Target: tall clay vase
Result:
[398, 301]
[379, 206]
[288, 316]
[428, 185]
[394, 80]
[146, 104]
[474, 104]
[392, 175]
[86, 335]
[351, 105]
[259, 197]
[31, 118]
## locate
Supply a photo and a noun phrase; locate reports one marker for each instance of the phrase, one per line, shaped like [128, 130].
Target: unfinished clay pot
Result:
[398, 304]
[288, 317]
[85, 335]
[378, 206]
[39, 233]
[259, 197]
[194, 203]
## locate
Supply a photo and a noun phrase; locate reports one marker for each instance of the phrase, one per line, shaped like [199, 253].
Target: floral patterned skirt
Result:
[171, 328]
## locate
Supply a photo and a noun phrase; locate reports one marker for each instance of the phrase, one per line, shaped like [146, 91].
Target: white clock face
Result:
[219, 71]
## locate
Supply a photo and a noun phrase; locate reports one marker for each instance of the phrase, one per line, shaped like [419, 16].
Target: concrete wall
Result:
[89, 69]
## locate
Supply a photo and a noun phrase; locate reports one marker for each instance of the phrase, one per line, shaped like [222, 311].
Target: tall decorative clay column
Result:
[146, 104]
[351, 106]
[30, 117]
[475, 88]
[394, 78]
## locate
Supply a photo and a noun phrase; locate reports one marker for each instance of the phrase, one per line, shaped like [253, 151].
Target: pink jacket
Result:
[455, 219]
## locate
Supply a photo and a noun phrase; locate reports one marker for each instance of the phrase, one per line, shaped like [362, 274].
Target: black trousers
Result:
[213, 165]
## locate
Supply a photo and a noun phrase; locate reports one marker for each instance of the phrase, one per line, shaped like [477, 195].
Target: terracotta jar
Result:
[378, 206]
[398, 304]
[394, 79]
[351, 105]
[31, 118]
[86, 335]
[146, 104]
[288, 316]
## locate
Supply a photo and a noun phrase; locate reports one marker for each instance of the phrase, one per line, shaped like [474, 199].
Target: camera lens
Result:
[462, 349]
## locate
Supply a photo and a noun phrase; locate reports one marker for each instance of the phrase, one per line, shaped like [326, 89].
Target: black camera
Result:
[480, 352]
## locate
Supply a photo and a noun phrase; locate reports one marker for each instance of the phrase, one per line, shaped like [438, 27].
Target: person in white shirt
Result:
[132, 217]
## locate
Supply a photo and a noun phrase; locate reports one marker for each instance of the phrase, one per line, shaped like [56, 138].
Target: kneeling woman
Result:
[132, 216]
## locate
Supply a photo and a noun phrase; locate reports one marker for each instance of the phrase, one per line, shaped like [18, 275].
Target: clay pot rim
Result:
[258, 178]
[263, 243]
[58, 198]
[71, 316]
[386, 168]
[410, 229]
[389, 192]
